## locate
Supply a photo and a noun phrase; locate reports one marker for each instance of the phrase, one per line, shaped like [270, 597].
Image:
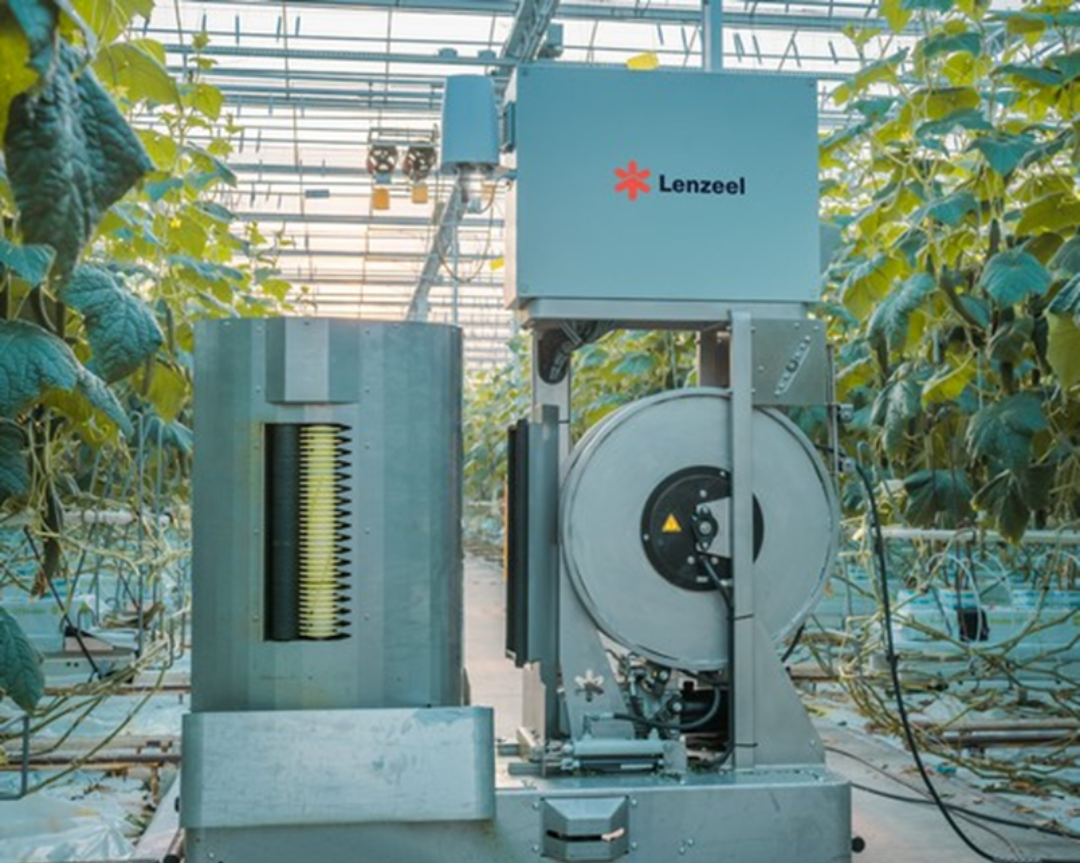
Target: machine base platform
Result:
[759, 816]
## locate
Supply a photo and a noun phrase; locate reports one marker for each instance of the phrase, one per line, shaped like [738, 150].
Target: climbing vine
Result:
[955, 294]
[114, 239]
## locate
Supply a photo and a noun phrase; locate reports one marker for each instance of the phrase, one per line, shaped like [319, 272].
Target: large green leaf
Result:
[931, 5]
[29, 263]
[21, 676]
[1067, 300]
[938, 498]
[133, 69]
[1035, 74]
[70, 155]
[892, 316]
[16, 75]
[1066, 260]
[1002, 151]
[950, 210]
[1012, 276]
[38, 20]
[1002, 432]
[971, 119]
[120, 327]
[34, 363]
[894, 408]
[1067, 64]
[14, 468]
[1063, 349]
[1011, 496]
[948, 43]
[1053, 212]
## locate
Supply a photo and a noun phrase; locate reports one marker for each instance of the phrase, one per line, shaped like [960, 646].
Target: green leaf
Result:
[1054, 212]
[14, 466]
[133, 70]
[1067, 259]
[211, 273]
[967, 118]
[38, 20]
[1067, 300]
[1002, 432]
[35, 363]
[892, 316]
[1063, 350]
[937, 103]
[896, 14]
[1012, 276]
[120, 328]
[894, 408]
[21, 674]
[930, 5]
[1002, 151]
[208, 100]
[868, 283]
[169, 391]
[70, 156]
[948, 383]
[1011, 496]
[109, 18]
[16, 75]
[29, 263]
[1009, 344]
[938, 498]
[1035, 74]
[950, 210]
[1067, 64]
[949, 43]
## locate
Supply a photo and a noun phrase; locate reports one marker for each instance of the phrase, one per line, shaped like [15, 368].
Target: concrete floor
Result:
[895, 832]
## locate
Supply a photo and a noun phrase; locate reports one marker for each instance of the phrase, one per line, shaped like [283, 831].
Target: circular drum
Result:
[635, 482]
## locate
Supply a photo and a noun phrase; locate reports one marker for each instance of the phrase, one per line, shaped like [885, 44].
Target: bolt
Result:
[691, 559]
[703, 494]
[536, 849]
[690, 843]
[705, 527]
[536, 806]
[633, 846]
[633, 801]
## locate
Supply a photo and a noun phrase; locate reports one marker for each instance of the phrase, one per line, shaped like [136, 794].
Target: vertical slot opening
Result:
[307, 563]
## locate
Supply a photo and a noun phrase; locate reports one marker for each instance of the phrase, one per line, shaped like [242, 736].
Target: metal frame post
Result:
[742, 666]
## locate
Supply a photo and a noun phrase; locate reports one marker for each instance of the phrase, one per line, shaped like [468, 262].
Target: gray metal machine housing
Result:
[363, 748]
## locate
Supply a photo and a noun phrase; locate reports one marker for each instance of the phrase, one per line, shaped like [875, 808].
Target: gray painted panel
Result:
[405, 618]
[338, 767]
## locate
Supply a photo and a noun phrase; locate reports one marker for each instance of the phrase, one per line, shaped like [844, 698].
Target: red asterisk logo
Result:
[632, 180]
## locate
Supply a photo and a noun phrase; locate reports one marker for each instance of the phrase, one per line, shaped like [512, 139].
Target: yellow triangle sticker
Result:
[671, 525]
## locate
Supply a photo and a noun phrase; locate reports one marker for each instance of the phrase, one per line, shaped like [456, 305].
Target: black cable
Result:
[700, 722]
[795, 639]
[70, 627]
[1059, 831]
[901, 707]
[729, 603]
[970, 813]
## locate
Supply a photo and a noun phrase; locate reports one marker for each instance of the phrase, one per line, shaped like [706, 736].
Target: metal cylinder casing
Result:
[396, 389]
[470, 125]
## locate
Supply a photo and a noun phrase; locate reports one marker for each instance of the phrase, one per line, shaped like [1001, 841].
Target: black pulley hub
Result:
[680, 530]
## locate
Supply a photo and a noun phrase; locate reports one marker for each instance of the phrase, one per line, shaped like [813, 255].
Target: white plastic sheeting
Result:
[39, 829]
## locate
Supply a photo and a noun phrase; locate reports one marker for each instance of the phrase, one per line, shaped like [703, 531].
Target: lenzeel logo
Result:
[632, 181]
